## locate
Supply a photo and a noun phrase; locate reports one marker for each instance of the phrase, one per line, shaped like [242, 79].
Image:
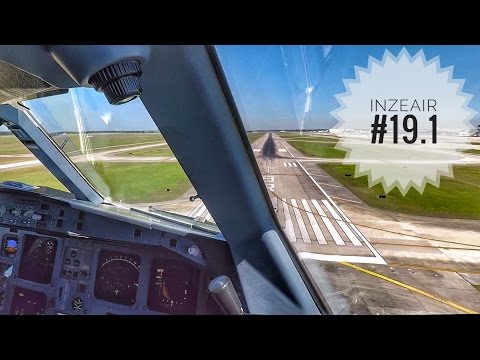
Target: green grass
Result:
[321, 147]
[477, 287]
[158, 151]
[254, 136]
[143, 182]
[33, 175]
[10, 145]
[127, 181]
[456, 198]
[289, 134]
[472, 151]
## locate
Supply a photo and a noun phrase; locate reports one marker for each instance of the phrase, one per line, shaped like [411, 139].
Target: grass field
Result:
[33, 175]
[158, 151]
[472, 151]
[456, 198]
[318, 146]
[10, 145]
[254, 136]
[127, 181]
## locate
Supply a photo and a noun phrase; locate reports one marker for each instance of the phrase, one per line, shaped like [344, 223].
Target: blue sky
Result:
[269, 83]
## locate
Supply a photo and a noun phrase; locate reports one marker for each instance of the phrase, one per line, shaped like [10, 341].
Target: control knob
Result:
[17, 212]
[36, 217]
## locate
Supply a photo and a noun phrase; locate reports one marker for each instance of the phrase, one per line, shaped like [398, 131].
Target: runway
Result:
[328, 242]
[313, 222]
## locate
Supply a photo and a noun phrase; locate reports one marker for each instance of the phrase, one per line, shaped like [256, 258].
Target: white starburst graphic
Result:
[421, 88]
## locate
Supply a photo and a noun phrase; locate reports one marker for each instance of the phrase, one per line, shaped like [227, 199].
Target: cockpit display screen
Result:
[38, 259]
[173, 287]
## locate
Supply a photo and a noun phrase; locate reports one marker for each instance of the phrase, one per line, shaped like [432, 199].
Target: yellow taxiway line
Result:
[411, 288]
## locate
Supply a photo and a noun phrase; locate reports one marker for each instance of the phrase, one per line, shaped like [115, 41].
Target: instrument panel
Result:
[105, 266]
[117, 277]
[173, 287]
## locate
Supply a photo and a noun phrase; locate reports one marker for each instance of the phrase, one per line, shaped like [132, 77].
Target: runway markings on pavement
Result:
[201, 212]
[313, 222]
[256, 150]
[289, 164]
[411, 288]
[288, 223]
[282, 150]
[198, 210]
[333, 231]
[301, 224]
[376, 259]
[332, 185]
[304, 255]
[342, 224]
[274, 203]
[269, 182]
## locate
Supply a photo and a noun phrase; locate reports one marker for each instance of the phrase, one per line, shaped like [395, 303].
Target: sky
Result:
[270, 83]
[276, 87]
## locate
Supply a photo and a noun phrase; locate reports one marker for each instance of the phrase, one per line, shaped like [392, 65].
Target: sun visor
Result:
[18, 84]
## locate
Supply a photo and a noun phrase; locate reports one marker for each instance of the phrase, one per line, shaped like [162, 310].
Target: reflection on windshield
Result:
[119, 150]
[370, 250]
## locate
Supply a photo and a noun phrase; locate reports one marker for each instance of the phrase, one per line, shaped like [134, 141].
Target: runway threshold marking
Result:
[313, 223]
[300, 222]
[331, 229]
[288, 222]
[355, 229]
[411, 288]
[351, 236]
[197, 211]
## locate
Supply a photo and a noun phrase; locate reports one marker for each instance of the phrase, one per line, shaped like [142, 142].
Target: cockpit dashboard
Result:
[65, 256]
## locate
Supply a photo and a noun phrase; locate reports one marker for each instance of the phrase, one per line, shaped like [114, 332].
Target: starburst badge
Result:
[403, 121]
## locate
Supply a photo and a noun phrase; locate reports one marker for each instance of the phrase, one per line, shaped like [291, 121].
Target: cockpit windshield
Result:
[119, 150]
[371, 158]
